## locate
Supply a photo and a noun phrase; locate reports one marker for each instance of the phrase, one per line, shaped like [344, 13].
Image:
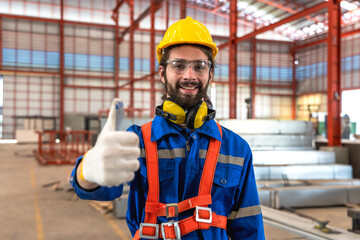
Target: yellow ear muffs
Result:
[171, 111]
[193, 119]
[196, 116]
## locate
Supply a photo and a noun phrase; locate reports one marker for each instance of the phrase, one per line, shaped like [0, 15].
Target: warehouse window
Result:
[348, 101]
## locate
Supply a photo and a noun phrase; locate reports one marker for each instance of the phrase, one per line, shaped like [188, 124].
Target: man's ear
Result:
[161, 72]
[211, 75]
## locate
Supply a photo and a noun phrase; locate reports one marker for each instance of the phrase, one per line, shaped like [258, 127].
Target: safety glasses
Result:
[180, 66]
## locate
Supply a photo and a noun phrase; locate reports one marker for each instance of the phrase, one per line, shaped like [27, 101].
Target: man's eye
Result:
[179, 65]
[199, 66]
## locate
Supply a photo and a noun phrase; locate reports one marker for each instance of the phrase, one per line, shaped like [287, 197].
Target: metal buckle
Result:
[198, 219]
[176, 229]
[169, 205]
[156, 226]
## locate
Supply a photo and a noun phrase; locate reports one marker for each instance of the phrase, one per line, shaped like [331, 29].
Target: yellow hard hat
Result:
[186, 30]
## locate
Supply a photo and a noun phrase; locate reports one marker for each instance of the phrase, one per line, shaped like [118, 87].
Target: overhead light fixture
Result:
[348, 6]
[242, 5]
[251, 9]
[268, 17]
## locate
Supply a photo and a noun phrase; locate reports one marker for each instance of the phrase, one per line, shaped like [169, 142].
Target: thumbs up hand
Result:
[114, 158]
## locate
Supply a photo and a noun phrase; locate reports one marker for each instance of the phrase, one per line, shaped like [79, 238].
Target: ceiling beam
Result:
[303, 13]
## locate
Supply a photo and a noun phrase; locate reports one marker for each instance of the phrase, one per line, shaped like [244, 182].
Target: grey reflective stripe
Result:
[167, 153]
[225, 158]
[245, 212]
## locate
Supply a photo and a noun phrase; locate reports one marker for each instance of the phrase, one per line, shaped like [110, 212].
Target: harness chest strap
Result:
[154, 208]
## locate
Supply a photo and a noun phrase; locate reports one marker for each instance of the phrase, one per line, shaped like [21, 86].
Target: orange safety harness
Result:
[203, 216]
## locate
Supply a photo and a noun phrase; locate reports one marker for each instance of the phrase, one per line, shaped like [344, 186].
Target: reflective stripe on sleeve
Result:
[167, 153]
[227, 159]
[245, 212]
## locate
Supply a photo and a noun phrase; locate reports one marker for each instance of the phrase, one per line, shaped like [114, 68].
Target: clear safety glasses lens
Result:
[180, 66]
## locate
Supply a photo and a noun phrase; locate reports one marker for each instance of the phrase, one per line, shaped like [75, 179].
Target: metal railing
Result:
[62, 147]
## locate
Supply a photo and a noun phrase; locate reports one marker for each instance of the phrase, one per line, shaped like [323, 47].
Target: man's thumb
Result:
[112, 122]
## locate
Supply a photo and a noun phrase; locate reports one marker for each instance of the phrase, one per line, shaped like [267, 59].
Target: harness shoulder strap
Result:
[149, 227]
[212, 155]
[152, 167]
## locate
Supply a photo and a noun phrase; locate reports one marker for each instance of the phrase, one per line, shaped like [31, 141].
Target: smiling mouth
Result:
[189, 88]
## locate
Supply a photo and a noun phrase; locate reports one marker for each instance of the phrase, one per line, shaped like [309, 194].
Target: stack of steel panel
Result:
[288, 171]
[273, 134]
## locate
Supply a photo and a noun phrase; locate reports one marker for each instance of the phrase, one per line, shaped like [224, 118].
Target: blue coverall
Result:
[181, 160]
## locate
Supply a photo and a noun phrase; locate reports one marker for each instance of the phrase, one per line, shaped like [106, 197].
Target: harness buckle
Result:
[156, 226]
[198, 219]
[169, 205]
[176, 230]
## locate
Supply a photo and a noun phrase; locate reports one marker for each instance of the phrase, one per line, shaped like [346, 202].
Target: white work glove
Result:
[114, 158]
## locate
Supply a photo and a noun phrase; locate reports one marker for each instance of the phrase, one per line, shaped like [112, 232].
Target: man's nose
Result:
[189, 72]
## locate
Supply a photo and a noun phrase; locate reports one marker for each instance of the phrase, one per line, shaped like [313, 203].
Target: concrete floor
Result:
[30, 211]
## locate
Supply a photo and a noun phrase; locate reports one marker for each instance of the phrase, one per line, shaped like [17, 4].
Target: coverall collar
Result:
[161, 127]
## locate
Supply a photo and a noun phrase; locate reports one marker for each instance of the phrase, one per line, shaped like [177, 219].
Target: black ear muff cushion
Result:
[191, 115]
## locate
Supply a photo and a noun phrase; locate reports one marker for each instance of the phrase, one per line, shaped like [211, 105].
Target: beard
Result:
[186, 101]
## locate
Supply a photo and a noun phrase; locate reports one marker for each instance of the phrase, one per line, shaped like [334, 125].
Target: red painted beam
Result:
[285, 7]
[233, 59]
[88, 87]
[226, 16]
[115, 15]
[253, 82]
[1, 60]
[92, 76]
[343, 35]
[62, 65]
[152, 58]
[183, 9]
[296, 48]
[131, 56]
[275, 94]
[116, 54]
[135, 23]
[293, 86]
[334, 74]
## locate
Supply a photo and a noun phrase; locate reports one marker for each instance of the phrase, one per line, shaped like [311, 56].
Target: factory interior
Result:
[287, 80]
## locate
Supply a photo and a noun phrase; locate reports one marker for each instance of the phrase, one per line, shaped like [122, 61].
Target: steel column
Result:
[152, 59]
[182, 9]
[253, 82]
[293, 85]
[131, 58]
[1, 40]
[334, 74]
[62, 54]
[115, 17]
[167, 14]
[233, 59]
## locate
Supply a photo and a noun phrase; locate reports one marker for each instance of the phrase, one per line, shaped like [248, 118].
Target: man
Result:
[189, 177]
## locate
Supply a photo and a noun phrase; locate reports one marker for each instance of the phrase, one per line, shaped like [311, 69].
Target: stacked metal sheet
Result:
[273, 134]
[288, 171]
[310, 194]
